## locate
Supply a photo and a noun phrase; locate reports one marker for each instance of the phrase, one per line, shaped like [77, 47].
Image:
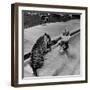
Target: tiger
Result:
[39, 49]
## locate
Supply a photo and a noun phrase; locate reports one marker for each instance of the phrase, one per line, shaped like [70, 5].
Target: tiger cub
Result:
[40, 48]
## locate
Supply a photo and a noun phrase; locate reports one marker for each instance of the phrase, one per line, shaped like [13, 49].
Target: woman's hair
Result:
[66, 32]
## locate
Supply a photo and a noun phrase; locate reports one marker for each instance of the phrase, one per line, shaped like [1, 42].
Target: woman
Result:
[64, 42]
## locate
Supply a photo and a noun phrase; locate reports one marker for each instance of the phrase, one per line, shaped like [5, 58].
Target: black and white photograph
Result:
[50, 44]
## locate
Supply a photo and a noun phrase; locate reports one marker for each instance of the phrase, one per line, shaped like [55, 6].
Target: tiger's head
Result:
[47, 38]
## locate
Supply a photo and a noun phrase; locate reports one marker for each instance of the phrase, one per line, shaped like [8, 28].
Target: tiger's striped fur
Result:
[40, 48]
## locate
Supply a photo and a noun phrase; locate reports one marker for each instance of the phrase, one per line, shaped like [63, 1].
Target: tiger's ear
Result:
[45, 33]
[45, 37]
